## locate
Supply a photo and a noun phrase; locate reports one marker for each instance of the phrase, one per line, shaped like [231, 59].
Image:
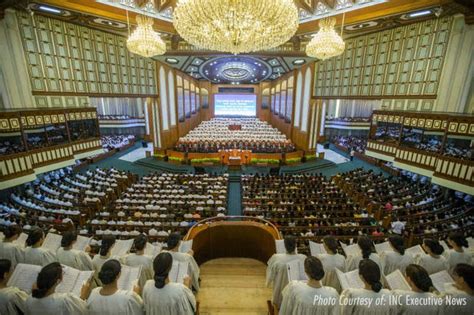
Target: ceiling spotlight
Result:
[172, 61]
[49, 9]
[298, 62]
[420, 13]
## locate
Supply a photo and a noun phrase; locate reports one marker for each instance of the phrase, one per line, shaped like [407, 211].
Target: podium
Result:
[235, 157]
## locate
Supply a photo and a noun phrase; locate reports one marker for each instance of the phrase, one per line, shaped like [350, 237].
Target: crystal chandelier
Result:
[326, 43]
[144, 41]
[236, 26]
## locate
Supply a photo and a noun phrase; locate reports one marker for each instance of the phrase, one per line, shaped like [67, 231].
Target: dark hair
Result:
[5, 266]
[107, 242]
[173, 240]
[420, 277]
[68, 238]
[313, 268]
[34, 237]
[12, 230]
[290, 243]
[434, 246]
[459, 239]
[398, 243]
[109, 271]
[466, 272]
[140, 242]
[47, 278]
[162, 266]
[370, 271]
[366, 246]
[331, 243]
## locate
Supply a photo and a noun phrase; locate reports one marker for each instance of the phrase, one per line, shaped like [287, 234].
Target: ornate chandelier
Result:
[326, 43]
[236, 26]
[144, 41]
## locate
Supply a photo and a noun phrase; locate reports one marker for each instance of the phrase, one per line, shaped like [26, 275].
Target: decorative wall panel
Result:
[405, 61]
[64, 57]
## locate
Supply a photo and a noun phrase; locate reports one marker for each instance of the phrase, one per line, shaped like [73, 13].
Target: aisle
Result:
[233, 286]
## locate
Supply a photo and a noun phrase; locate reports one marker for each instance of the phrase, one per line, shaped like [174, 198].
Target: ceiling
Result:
[360, 17]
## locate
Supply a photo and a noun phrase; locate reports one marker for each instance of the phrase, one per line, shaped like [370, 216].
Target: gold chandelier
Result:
[326, 43]
[236, 26]
[144, 41]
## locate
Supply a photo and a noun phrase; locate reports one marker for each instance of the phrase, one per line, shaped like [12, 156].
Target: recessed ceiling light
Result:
[172, 61]
[49, 9]
[299, 61]
[420, 13]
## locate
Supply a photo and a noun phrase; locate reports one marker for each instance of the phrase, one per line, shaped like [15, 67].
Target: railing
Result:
[233, 236]
[416, 157]
[382, 147]
[454, 169]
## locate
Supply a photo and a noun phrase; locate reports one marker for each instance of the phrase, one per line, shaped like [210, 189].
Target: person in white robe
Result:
[277, 274]
[367, 251]
[34, 254]
[174, 240]
[331, 261]
[422, 289]
[162, 297]
[432, 261]
[104, 255]
[396, 259]
[462, 289]
[12, 299]
[363, 301]
[139, 259]
[457, 255]
[8, 249]
[74, 258]
[109, 299]
[44, 300]
[311, 297]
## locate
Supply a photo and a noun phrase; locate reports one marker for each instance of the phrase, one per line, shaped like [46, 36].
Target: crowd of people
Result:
[113, 142]
[251, 134]
[11, 146]
[351, 143]
[348, 119]
[117, 117]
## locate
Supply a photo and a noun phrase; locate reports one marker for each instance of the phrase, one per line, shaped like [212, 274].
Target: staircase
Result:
[165, 167]
[310, 167]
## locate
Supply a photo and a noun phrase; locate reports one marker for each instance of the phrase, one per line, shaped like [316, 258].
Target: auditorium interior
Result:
[282, 151]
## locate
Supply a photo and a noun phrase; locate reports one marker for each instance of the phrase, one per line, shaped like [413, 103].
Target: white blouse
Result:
[330, 263]
[11, 299]
[363, 302]
[57, 304]
[392, 261]
[172, 299]
[12, 252]
[121, 302]
[39, 256]
[75, 259]
[432, 264]
[301, 299]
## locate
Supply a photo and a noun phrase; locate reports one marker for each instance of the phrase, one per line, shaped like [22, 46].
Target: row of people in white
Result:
[432, 261]
[159, 296]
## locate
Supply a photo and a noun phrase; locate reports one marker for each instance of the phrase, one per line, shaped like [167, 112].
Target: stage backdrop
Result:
[235, 104]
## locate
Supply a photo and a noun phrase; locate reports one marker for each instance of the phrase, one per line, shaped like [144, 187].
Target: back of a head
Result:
[370, 272]
[162, 266]
[110, 271]
[68, 238]
[420, 277]
[140, 242]
[5, 266]
[459, 239]
[366, 246]
[398, 243]
[106, 244]
[12, 231]
[34, 237]
[290, 244]
[313, 268]
[331, 243]
[433, 245]
[173, 240]
[466, 272]
[47, 278]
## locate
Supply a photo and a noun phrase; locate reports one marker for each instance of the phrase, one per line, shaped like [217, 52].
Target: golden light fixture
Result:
[144, 41]
[326, 43]
[236, 26]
